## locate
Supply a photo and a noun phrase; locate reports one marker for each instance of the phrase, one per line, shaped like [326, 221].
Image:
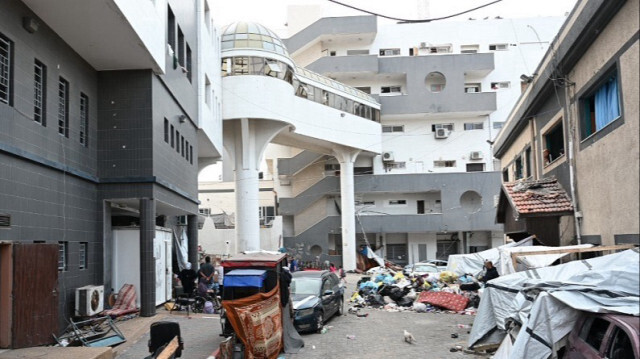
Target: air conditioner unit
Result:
[387, 156]
[441, 133]
[423, 45]
[89, 300]
[475, 155]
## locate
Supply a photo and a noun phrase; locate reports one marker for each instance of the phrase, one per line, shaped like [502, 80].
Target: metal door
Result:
[35, 294]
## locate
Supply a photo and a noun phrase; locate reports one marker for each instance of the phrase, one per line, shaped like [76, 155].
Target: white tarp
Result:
[547, 301]
[501, 258]
[473, 263]
[181, 248]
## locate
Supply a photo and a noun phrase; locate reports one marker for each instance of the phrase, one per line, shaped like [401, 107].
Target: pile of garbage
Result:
[444, 292]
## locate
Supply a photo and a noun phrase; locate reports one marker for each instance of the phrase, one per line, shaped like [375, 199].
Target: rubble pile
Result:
[444, 292]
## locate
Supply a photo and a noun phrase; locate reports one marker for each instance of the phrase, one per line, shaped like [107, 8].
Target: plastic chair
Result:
[161, 333]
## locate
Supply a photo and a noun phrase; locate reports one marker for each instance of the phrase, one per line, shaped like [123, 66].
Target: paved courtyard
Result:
[379, 335]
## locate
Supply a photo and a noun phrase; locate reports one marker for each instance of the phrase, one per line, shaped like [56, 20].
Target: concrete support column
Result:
[192, 234]
[246, 140]
[347, 204]
[147, 261]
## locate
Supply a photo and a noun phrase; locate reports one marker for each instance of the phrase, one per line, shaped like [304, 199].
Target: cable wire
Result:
[413, 21]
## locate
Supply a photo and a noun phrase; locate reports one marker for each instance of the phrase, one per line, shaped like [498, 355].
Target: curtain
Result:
[606, 101]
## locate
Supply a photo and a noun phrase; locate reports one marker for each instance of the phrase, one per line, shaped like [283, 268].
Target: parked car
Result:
[422, 269]
[612, 336]
[441, 264]
[316, 297]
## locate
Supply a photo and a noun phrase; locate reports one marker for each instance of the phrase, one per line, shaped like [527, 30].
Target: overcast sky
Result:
[273, 13]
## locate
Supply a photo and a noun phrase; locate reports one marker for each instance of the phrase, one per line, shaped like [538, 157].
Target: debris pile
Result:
[384, 288]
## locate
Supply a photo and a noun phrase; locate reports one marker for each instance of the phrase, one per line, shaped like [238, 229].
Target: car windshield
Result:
[425, 269]
[305, 286]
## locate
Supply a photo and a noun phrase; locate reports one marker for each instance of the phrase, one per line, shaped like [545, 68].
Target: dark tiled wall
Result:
[19, 130]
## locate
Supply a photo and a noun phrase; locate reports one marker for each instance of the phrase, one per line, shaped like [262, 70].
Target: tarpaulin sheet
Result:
[473, 263]
[245, 278]
[547, 301]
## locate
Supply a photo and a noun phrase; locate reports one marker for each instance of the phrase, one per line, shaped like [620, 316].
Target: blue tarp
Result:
[245, 278]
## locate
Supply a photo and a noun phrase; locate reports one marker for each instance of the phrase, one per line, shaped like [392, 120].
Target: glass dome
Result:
[249, 35]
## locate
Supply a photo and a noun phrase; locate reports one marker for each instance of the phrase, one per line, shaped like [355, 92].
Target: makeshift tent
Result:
[181, 248]
[473, 263]
[501, 257]
[545, 302]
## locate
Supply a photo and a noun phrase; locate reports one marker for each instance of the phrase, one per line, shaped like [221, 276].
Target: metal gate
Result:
[35, 294]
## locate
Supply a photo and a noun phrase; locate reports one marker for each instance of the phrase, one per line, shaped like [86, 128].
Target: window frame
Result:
[83, 251]
[471, 126]
[6, 64]
[394, 51]
[40, 93]
[84, 120]
[63, 256]
[63, 107]
[546, 136]
[590, 92]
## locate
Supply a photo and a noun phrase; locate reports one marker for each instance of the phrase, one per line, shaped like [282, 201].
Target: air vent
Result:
[5, 220]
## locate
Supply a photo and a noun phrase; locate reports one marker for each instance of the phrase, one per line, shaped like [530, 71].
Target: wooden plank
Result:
[170, 349]
[514, 256]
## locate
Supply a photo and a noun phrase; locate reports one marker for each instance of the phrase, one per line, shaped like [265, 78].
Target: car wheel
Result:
[340, 310]
[320, 322]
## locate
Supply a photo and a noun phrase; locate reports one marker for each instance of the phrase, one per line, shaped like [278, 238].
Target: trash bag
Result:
[474, 301]
[396, 294]
[420, 307]
[384, 290]
[404, 302]
[375, 300]
[448, 277]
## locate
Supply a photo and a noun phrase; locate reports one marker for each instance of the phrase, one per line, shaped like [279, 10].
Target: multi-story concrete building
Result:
[445, 89]
[107, 108]
[577, 125]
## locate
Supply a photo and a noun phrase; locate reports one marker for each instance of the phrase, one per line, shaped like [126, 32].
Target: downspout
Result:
[534, 150]
[574, 200]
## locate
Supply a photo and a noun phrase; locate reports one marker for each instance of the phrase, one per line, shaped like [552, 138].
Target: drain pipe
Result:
[577, 216]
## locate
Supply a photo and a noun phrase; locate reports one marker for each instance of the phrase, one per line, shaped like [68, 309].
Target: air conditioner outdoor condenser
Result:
[89, 300]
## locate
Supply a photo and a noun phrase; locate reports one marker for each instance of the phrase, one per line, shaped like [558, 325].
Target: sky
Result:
[273, 13]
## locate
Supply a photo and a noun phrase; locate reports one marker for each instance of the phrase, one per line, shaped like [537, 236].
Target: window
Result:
[436, 88]
[171, 29]
[190, 154]
[553, 143]
[473, 126]
[469, 49]
[172, 136]
[6, 69]
[82, 256]
[204, 211]
[440, 49]
[189, 62]
[620, 346]
[593, 331]
[395, 202]
[498, 47]
[63, 107]
[498, 125]
[62, 256]
[500, 85]
[600, 107]
[177, 141]
[527, 162]
[180, 47]
[357, 52]
[505, 175]
[471, 87]
[387, 129]
[84, 120]
[475, 167]
[332, 167]
[444, 163]
[389, 52]
[181, 146]
[187, 152]
[208, 93]
[446, 126]
[366, 89]
[396, 165]
[332, 53]
[166, 130]
[390, 89]
[518, 168]
[39, 92]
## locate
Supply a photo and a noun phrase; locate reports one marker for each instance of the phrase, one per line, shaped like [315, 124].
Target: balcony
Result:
[358, 28]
